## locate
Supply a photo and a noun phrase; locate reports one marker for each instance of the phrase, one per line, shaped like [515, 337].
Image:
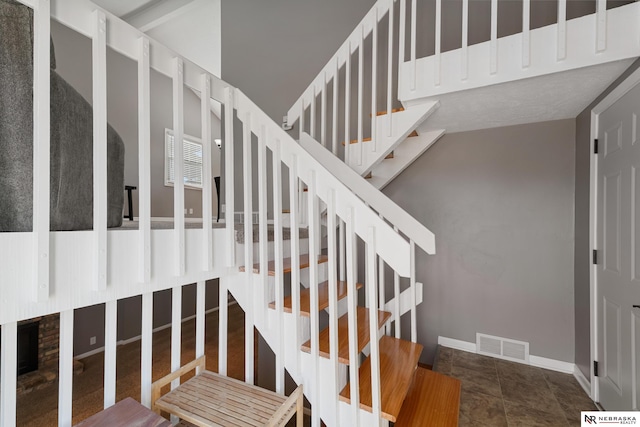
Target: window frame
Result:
[186, 138]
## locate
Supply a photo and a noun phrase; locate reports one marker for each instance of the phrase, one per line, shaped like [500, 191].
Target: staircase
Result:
[538, 74]
[358, 125]
[331, 307]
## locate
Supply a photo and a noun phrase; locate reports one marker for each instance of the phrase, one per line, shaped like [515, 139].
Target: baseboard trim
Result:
[457, 344]
[139, 337]
[582, 380]
[540, 362]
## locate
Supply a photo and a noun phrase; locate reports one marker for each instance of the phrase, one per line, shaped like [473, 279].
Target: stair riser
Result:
[286, 250]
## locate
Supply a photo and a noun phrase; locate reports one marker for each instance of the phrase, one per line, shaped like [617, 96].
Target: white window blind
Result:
[192, 160]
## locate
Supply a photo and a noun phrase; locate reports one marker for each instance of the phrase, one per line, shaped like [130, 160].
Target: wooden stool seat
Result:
[210, 399]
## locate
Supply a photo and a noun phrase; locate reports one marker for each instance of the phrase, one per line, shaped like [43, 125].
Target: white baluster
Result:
[464, 52]
[41, 148]
[247, 167]
[323, 111]
[360, 95]
[110, 344]
[562, 30]
[262, 219]
[178, 164]
[374, 81]
[279, 262]
[438, 55]
[200, 318]
[176, 331]
[414, 31]
[223, 321]
[526, 33]
[334, 123]
[65, 377]
[207, 188]
[493, 44]
[312, 203]
[390, 69]
[144, 162]
[333, 295]
[312, 119]
[229, 184]
[601, 25]
[347, 107]
[402, 38]
[8, 377]
[396, 299]
[295, 253]
[146, 350]
[99, 69]
[352, 310]
[412, 285]
[374, 334]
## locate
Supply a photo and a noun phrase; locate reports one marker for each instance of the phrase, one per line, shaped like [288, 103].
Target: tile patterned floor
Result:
[498, 393]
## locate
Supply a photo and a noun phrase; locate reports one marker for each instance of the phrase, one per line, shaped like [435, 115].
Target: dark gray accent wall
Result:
[582, 260]
[500, 202]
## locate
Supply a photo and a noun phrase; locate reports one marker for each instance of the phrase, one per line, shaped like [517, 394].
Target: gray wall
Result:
[582, 260]
[500, 202]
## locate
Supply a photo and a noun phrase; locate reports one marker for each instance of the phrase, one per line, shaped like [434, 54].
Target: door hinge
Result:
[595, 257]
[595, 368]
[595, 146]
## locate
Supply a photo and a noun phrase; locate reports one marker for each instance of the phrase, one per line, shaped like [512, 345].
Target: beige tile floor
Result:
[498, 393]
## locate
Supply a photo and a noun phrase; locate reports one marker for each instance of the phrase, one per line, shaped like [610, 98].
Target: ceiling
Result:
[550, 97]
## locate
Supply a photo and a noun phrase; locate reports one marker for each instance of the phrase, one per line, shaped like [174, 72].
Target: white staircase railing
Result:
[83, 268]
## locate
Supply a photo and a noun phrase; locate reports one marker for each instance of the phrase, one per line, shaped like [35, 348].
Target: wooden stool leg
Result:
[300, 411]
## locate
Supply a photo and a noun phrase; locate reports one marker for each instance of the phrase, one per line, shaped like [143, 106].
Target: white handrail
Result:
[377, 200]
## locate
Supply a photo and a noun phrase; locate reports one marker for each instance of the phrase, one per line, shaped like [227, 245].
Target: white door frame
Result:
[629, 83]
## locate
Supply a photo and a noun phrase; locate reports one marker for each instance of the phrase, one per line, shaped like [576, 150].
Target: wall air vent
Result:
[502, 348]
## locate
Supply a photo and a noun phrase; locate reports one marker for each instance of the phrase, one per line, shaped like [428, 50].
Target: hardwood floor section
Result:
[343, 335]
[323, 298]
[398, 362]
[40, 407]
[286, 262]
[432, 400]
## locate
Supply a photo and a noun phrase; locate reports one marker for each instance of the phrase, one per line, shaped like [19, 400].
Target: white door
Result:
[618, 269]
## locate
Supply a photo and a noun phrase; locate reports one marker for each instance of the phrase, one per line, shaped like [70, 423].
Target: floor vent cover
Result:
[503, 348]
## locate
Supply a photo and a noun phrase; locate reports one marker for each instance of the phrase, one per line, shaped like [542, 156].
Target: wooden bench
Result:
[210, 399]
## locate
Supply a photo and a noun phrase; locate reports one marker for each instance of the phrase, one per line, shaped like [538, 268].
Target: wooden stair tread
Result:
[323, 298]
[412, 134]
[355, 141]
[398, 362]
[390, 155]
[432, 400]
[343, 335]
[393, 110]
[286, 263]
